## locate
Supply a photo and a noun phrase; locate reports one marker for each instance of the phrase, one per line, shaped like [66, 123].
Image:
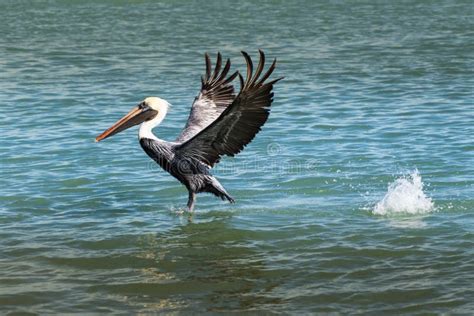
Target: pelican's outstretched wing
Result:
[239, 123]
[215, 95]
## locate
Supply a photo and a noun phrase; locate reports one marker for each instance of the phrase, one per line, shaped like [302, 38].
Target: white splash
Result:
[405, 195]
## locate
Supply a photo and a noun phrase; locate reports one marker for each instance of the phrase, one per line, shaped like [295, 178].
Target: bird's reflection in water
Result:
[206, 265]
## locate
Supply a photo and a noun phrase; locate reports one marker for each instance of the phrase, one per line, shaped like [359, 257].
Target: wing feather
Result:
[238, 124]
[216, 94]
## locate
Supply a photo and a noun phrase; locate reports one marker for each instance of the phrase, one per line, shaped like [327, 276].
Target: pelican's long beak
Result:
[136, 116]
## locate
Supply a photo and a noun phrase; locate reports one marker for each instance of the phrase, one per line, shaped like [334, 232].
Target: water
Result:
[405, 195]
[328, 215]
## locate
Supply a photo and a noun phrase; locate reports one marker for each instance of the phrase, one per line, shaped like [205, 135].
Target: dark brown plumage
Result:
[216, 94]
[238, 124]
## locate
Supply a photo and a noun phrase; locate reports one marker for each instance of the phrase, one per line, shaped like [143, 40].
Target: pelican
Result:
[220, 123]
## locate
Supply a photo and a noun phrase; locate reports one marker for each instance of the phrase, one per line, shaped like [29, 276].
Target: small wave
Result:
[405, 195]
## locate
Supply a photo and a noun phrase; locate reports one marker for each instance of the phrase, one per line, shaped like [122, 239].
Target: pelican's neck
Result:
[145, 130]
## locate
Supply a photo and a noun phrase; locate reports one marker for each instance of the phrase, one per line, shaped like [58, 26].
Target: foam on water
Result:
[405, 195]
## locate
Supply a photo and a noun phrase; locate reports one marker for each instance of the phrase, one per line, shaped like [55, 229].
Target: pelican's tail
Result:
[228, 197]
[218, 190]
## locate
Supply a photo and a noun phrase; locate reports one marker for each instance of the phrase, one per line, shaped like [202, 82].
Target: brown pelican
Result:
[220, 123]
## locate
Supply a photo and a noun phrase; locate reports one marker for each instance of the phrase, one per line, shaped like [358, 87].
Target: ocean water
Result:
[356, 198]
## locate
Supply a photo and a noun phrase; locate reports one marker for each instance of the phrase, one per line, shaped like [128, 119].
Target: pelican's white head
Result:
[156, 104]
[161, 107]
[150, 112]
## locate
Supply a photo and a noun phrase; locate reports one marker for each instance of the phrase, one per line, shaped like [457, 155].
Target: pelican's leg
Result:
[191, 201]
